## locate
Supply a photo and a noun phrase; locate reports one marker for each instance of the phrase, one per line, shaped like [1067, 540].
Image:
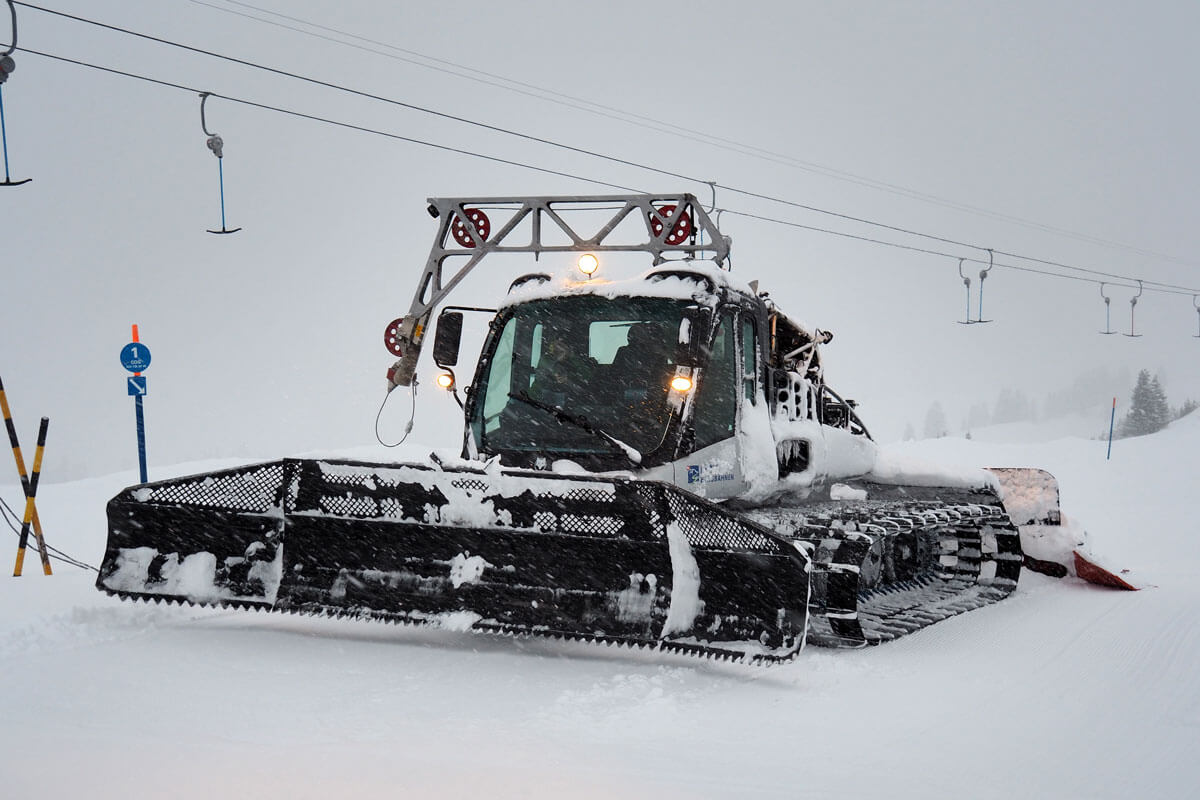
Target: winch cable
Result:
[412, 415]
[12, 519]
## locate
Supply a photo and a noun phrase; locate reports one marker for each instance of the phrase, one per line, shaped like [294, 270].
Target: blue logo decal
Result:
[693, 474]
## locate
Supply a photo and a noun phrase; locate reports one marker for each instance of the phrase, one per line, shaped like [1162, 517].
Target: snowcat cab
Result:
[653, 462]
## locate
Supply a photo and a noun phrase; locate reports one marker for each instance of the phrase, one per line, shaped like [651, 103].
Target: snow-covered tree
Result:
[935, 422]
[978, 416]
[1088, 390]
[1148, 408]
[909, 433]
[1012, 406]
[1188, 407]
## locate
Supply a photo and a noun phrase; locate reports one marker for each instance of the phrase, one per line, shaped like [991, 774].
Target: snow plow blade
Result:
[1053, 545]
[637, 563]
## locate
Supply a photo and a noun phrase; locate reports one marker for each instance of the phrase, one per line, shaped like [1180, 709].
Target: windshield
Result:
[604, 361]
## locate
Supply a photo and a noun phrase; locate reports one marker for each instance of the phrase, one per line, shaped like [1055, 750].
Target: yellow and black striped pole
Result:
[30, 507]
[16, 448]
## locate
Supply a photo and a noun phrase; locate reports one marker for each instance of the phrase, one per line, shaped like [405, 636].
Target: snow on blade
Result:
[194, 577]
[636, 603]
[686, 604]
[466, 568]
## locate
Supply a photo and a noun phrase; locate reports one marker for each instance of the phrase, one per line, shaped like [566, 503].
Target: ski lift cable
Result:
[364, 94]
[1154, 286]
[651, 123]
[337, 123]
[569, 101]
[12, 10]
[942, 253]
[1086, 270]
[848, 217]
[560, 145]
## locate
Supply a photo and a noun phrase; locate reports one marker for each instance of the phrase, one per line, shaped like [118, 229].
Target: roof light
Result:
[681, 383]
[588, 264]
[444, 380]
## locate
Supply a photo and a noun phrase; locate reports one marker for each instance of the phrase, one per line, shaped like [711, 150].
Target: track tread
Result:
[694, 650]
[961, 539]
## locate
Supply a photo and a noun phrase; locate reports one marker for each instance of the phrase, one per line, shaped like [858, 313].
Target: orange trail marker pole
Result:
[1111, 423]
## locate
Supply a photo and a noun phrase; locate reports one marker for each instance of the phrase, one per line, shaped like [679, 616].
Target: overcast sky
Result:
[1059, 131]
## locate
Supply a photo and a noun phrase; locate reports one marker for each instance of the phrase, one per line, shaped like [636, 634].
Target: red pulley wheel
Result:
[679, 233]
[391, 338]
[483, 227]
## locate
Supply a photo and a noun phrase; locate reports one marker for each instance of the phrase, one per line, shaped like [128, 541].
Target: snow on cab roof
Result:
[699, 281]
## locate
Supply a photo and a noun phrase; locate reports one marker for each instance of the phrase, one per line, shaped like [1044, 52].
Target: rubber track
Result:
[970, 557]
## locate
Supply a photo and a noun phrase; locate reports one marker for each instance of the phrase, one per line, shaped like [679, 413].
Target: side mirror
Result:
[447, 339]
[693, 333]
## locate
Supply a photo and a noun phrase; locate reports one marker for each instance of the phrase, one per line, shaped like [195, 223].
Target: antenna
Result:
[7, 67]
[217, 145]
[1132, 307]
[1108, 331]
[712, 209]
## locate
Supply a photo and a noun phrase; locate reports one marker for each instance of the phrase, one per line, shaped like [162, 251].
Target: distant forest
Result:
[1144, 399]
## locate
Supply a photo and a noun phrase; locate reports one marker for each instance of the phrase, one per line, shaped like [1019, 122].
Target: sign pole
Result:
[141, 437]
[135, 357]
[1111, 422]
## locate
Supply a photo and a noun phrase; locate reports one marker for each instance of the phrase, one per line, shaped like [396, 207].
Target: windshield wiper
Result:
[633, 454]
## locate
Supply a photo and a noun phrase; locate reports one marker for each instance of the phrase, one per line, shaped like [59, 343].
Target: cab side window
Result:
[749, 359]
[716, 396]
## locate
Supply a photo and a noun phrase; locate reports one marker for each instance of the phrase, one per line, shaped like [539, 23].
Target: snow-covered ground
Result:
[1090, 424]
[1063, 690]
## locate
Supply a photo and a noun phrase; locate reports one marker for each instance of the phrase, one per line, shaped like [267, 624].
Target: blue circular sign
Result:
[135, 357]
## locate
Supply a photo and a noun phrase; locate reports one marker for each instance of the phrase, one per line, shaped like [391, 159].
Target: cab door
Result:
[712, 468]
